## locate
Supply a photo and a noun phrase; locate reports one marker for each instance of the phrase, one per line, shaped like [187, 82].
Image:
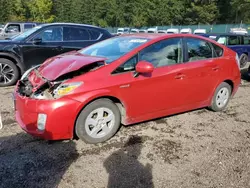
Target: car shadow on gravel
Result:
[28, 162]
[124, 168]
[244, 74]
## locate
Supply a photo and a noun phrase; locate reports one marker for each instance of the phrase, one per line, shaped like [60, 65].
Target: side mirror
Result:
[144, 67]
[37, 41]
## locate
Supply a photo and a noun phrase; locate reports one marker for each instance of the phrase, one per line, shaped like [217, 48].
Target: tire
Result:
[243, 60]
[9, 73]
[92, 120]
[219, 103]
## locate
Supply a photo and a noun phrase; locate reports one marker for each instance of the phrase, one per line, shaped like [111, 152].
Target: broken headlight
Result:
[66, 88]
[28, 71]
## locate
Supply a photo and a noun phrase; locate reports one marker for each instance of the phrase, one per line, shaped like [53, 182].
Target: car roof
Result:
[160, 35]
[74, 24]
[19, 22]
[228, 34]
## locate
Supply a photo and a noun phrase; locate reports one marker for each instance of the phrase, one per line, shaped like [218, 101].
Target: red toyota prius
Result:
[124, 80]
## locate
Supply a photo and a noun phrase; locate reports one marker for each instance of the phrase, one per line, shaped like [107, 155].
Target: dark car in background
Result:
[237, 42]
[34, 46]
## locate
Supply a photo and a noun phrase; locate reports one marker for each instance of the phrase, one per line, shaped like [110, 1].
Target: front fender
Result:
[88, 97]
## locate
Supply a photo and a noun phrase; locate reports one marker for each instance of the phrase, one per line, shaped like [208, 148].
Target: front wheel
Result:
[221, 97]
[9, 73]
[243, 60]
[98, 121]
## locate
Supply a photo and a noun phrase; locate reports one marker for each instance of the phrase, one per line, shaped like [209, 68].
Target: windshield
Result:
[26, 34]
[113, 48]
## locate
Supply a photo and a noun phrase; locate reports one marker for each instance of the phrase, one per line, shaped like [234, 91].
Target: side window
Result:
[127, 66]
[198, 49]
[233, 40]
[51, 34]
[13, 28]
[222, 40]
[27, 26]
[163, 53]
[75, 34]
[94, 34]
[246, 40]
[218, 50]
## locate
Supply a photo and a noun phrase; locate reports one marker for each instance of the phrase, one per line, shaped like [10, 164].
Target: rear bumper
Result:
[61, 116]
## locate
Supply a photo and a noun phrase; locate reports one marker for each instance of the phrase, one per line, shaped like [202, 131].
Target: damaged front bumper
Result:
[59, 119]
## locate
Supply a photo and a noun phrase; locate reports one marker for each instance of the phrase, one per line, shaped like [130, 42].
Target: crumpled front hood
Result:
[57, 66]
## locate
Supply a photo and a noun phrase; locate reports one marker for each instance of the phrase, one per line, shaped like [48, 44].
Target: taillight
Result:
[237, 60]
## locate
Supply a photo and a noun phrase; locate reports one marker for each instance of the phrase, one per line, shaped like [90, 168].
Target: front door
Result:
[51, 45]
[165, 89]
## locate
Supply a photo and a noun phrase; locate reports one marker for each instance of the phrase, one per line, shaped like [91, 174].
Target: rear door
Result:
[78, 37]
[235, 43]
[202, 70]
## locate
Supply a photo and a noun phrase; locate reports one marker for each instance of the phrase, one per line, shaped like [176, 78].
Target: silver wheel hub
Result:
[222, 97]
[6, 73]
[99, 122]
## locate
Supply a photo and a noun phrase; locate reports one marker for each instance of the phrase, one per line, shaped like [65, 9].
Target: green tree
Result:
[41, 10]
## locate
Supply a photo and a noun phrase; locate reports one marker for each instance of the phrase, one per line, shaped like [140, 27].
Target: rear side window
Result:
[233, 40]
[218, 50]
[198, 49]
[28, 26]
[246, 40]
[75, 34]
[94, 34]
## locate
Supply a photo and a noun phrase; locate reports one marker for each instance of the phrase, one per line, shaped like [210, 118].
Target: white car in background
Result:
[200, 31]
[134, 31]
[152, 30]
[162, 31]
[124, 30]
[172, 31]
[186, 31]
[143, 31]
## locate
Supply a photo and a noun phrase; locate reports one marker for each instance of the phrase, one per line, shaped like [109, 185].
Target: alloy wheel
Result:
[6, 73]
[99, 122]
[222, 97]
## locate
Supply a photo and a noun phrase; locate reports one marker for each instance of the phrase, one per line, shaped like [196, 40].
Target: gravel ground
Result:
[195, 149]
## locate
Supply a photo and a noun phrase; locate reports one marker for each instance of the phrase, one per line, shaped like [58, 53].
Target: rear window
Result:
[94, 34]
[218, 50]
[28, 26]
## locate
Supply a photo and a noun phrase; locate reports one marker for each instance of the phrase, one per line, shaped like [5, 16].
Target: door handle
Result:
[180, 76]
[60, 48]
[216, 68]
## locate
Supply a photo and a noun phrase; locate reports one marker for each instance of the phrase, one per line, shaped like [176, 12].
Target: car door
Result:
[234, 42]
[202, 69]
[164, 90]
[76, 37]
[45, 44]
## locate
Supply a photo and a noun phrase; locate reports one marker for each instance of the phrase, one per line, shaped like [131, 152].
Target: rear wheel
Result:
[98, 121]
[9, 73]
[221, 97]
[243, 60]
